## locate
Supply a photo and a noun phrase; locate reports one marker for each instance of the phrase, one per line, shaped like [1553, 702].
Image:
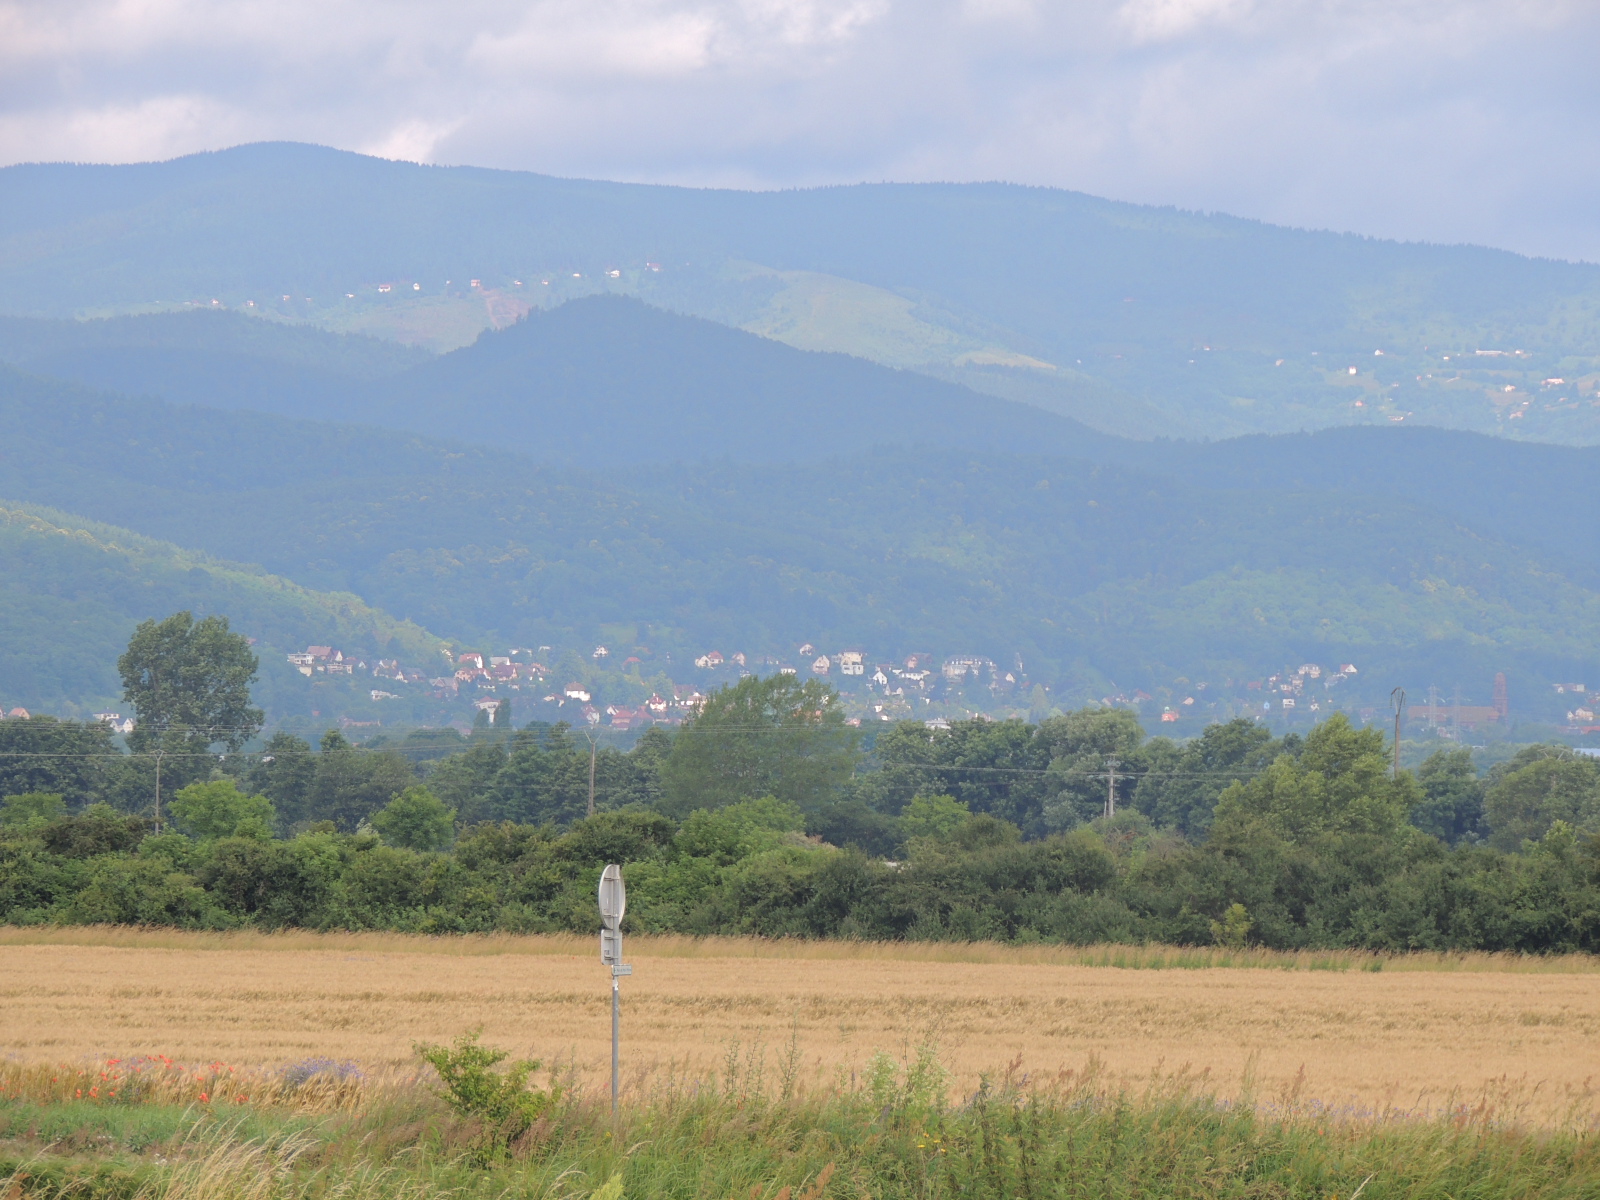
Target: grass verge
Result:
[756, 1129]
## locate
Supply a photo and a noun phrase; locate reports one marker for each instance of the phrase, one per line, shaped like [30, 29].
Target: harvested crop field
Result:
[1354, 1038]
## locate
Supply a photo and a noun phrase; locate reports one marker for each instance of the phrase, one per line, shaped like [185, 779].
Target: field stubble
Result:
[1442, 1033]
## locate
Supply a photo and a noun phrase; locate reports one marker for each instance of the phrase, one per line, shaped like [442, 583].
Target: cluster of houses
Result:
[654, 711]
[1581, 717]
[493, 678]
[118, 723]
[890, 690]
[1288, 692]
[916, 673]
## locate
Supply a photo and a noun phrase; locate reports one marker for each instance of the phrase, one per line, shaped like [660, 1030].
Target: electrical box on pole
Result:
[613, 903]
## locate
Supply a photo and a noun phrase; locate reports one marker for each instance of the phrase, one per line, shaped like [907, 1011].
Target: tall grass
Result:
[1128, 957]
[314, 1085]
[760, 1130]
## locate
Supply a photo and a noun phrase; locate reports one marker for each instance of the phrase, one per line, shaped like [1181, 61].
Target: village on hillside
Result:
[635, 693]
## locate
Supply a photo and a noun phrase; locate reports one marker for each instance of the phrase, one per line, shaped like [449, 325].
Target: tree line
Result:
[769, 814]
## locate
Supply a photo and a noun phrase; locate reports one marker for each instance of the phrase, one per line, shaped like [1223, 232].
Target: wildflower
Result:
[204, 1098]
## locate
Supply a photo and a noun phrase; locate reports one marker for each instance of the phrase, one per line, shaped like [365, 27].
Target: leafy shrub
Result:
[218, 809]
[503, 1102]
[416, 819]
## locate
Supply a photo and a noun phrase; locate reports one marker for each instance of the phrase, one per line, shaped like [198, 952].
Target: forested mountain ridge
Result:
[609, 380]
[597, 381]
[212, 357]
[1131, 318]
[1100, 575]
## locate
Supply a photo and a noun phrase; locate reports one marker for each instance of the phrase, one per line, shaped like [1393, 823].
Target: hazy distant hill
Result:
[1134, 319]
[610, 380]
[600, 380]
[72, 590]
[1093, 571]
[222, 359]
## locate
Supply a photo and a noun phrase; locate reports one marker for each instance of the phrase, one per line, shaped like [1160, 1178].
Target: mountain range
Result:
[608, 471]
[1139, 321]
[1109, 448]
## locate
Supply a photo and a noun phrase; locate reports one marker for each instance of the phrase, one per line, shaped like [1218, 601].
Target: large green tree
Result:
[218, 809]
[762, 737]
[1453, 808]
[416, 819]
[189, 684]
[352, 783]
[284, 773]
[1539, 786]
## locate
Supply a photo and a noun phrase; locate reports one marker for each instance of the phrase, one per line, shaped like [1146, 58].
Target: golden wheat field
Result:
[1420, 1033]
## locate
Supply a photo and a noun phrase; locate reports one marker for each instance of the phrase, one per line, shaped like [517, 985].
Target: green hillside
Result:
[72, 590]
[1150, 566]
[1135, 319]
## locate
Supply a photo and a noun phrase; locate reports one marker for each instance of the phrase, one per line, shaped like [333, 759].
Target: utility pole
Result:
[1111, 786]
[592, 751]
[159, 753]
[1398, 699]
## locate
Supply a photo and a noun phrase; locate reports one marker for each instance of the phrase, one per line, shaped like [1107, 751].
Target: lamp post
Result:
[613, 903]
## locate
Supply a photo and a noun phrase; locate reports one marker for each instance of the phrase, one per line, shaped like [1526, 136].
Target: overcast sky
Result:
[1442, 120]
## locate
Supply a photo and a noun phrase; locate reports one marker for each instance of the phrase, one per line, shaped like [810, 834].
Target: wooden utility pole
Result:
[1398, 697]
[159, 753]
[592, 751]
[1111, 786]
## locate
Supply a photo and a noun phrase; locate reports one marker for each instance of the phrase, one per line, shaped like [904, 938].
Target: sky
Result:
[1434, 120]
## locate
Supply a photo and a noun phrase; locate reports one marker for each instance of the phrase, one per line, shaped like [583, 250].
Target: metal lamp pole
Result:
[613, 903]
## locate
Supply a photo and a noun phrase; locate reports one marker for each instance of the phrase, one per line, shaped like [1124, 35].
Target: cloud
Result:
[1432, 119]
[1163, 20]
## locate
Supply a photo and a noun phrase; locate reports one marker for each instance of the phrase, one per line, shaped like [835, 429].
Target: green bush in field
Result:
[504, 1102]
